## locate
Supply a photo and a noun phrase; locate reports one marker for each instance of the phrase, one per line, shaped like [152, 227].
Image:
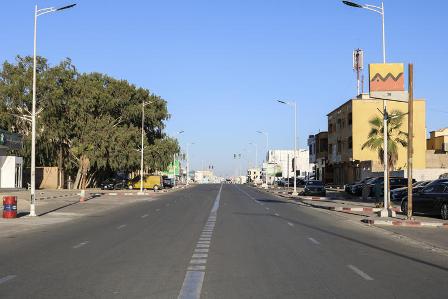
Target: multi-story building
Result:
[318, 149]
[284, 158]
[438, 141]
[348, 130]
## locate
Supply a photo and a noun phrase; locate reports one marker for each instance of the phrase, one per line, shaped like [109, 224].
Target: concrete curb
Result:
[360, 209]
[405, 223]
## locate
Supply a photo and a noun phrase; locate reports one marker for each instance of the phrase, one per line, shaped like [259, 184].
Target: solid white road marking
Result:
[290, 224]
[360, 273]
[191, 288]
[314, 241]
[144, 216]
[121, 226]
[80, 244]
[7, 278]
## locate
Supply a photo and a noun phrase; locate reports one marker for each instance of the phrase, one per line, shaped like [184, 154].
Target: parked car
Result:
[432, 200]
[168, 183]
[114, 184]
[356, 187]
[154, 182]
[314, 187]
[395, 183]
[398, 194]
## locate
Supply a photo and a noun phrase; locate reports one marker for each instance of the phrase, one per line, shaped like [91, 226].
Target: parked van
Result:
[154, 182]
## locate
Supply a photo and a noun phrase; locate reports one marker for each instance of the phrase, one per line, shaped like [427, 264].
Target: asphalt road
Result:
[217, 242]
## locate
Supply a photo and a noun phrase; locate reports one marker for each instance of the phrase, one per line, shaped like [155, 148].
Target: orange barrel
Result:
[9, 206]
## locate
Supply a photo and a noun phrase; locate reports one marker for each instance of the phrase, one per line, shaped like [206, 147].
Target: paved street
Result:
[213, 241]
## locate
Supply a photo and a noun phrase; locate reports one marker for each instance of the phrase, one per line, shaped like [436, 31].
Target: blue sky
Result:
[221, 64]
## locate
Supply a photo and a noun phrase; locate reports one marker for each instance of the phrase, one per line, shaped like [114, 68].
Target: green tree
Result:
[89, 125]
[395, 137]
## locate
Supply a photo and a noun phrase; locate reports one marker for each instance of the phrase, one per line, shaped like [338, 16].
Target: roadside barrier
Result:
[9, 207]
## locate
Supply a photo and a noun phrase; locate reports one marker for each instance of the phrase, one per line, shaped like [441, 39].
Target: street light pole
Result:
[37, 13]
[188, 161]
[385, 212]
[267, 157]
[294, 106]
[174, 162]
[142, 148]
[256, 153]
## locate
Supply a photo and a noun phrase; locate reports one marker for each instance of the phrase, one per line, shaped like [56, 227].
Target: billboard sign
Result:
[169, 170]
[386, 81]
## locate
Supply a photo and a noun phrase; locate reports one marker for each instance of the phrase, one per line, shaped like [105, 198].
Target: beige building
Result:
[348, 129]
[438, 141]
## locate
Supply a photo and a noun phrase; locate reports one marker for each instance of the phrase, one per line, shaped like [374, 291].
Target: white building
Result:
[284, 158]
[10, 166]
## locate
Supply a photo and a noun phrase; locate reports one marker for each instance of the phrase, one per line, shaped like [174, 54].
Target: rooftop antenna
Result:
[358, 66]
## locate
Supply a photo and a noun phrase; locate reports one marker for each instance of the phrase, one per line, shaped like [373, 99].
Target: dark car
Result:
[356, 187]
[398, 194]
[314, 187]
[108, 185]
[395, 183]
[114, 184]
[432, 200]
[168, 183]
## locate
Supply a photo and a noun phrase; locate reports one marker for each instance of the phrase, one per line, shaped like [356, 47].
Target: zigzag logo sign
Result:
[386, 77]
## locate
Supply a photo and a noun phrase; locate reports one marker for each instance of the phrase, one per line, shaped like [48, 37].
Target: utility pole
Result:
[410, 136]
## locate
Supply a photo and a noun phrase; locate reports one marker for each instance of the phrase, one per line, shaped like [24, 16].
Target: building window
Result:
[339, 147]
[350, 119]
[330, 149]
[350, 142]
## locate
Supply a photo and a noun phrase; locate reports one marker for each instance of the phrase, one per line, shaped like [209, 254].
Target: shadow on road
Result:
[351, 239]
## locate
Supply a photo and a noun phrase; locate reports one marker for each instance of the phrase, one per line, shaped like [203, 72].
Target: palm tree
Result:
[395, 137]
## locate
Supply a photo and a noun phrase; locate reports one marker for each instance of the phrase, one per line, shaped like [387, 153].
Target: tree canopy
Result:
[89, 124]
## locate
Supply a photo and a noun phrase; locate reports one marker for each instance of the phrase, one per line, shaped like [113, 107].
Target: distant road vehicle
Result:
[154, 182]
[168, 183]
[432, 200]
[314, 187]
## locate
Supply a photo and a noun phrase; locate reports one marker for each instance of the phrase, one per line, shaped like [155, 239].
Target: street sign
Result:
[386, 81]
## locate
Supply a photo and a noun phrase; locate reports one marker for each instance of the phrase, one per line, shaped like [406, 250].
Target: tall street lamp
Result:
[294, 106]
[256, 153]
[174, 162]
[37, 13]
[266, 134]
[385, 212]
[143, 148]
[377, 9]
[188, 161]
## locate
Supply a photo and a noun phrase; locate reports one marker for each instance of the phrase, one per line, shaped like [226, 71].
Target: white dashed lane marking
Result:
[192, 285]
[314, 241]
[359, 272]
[276, 214]
[290, 224]
[121, 226]
[144, 216]
[80, 244]
[7, 278]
